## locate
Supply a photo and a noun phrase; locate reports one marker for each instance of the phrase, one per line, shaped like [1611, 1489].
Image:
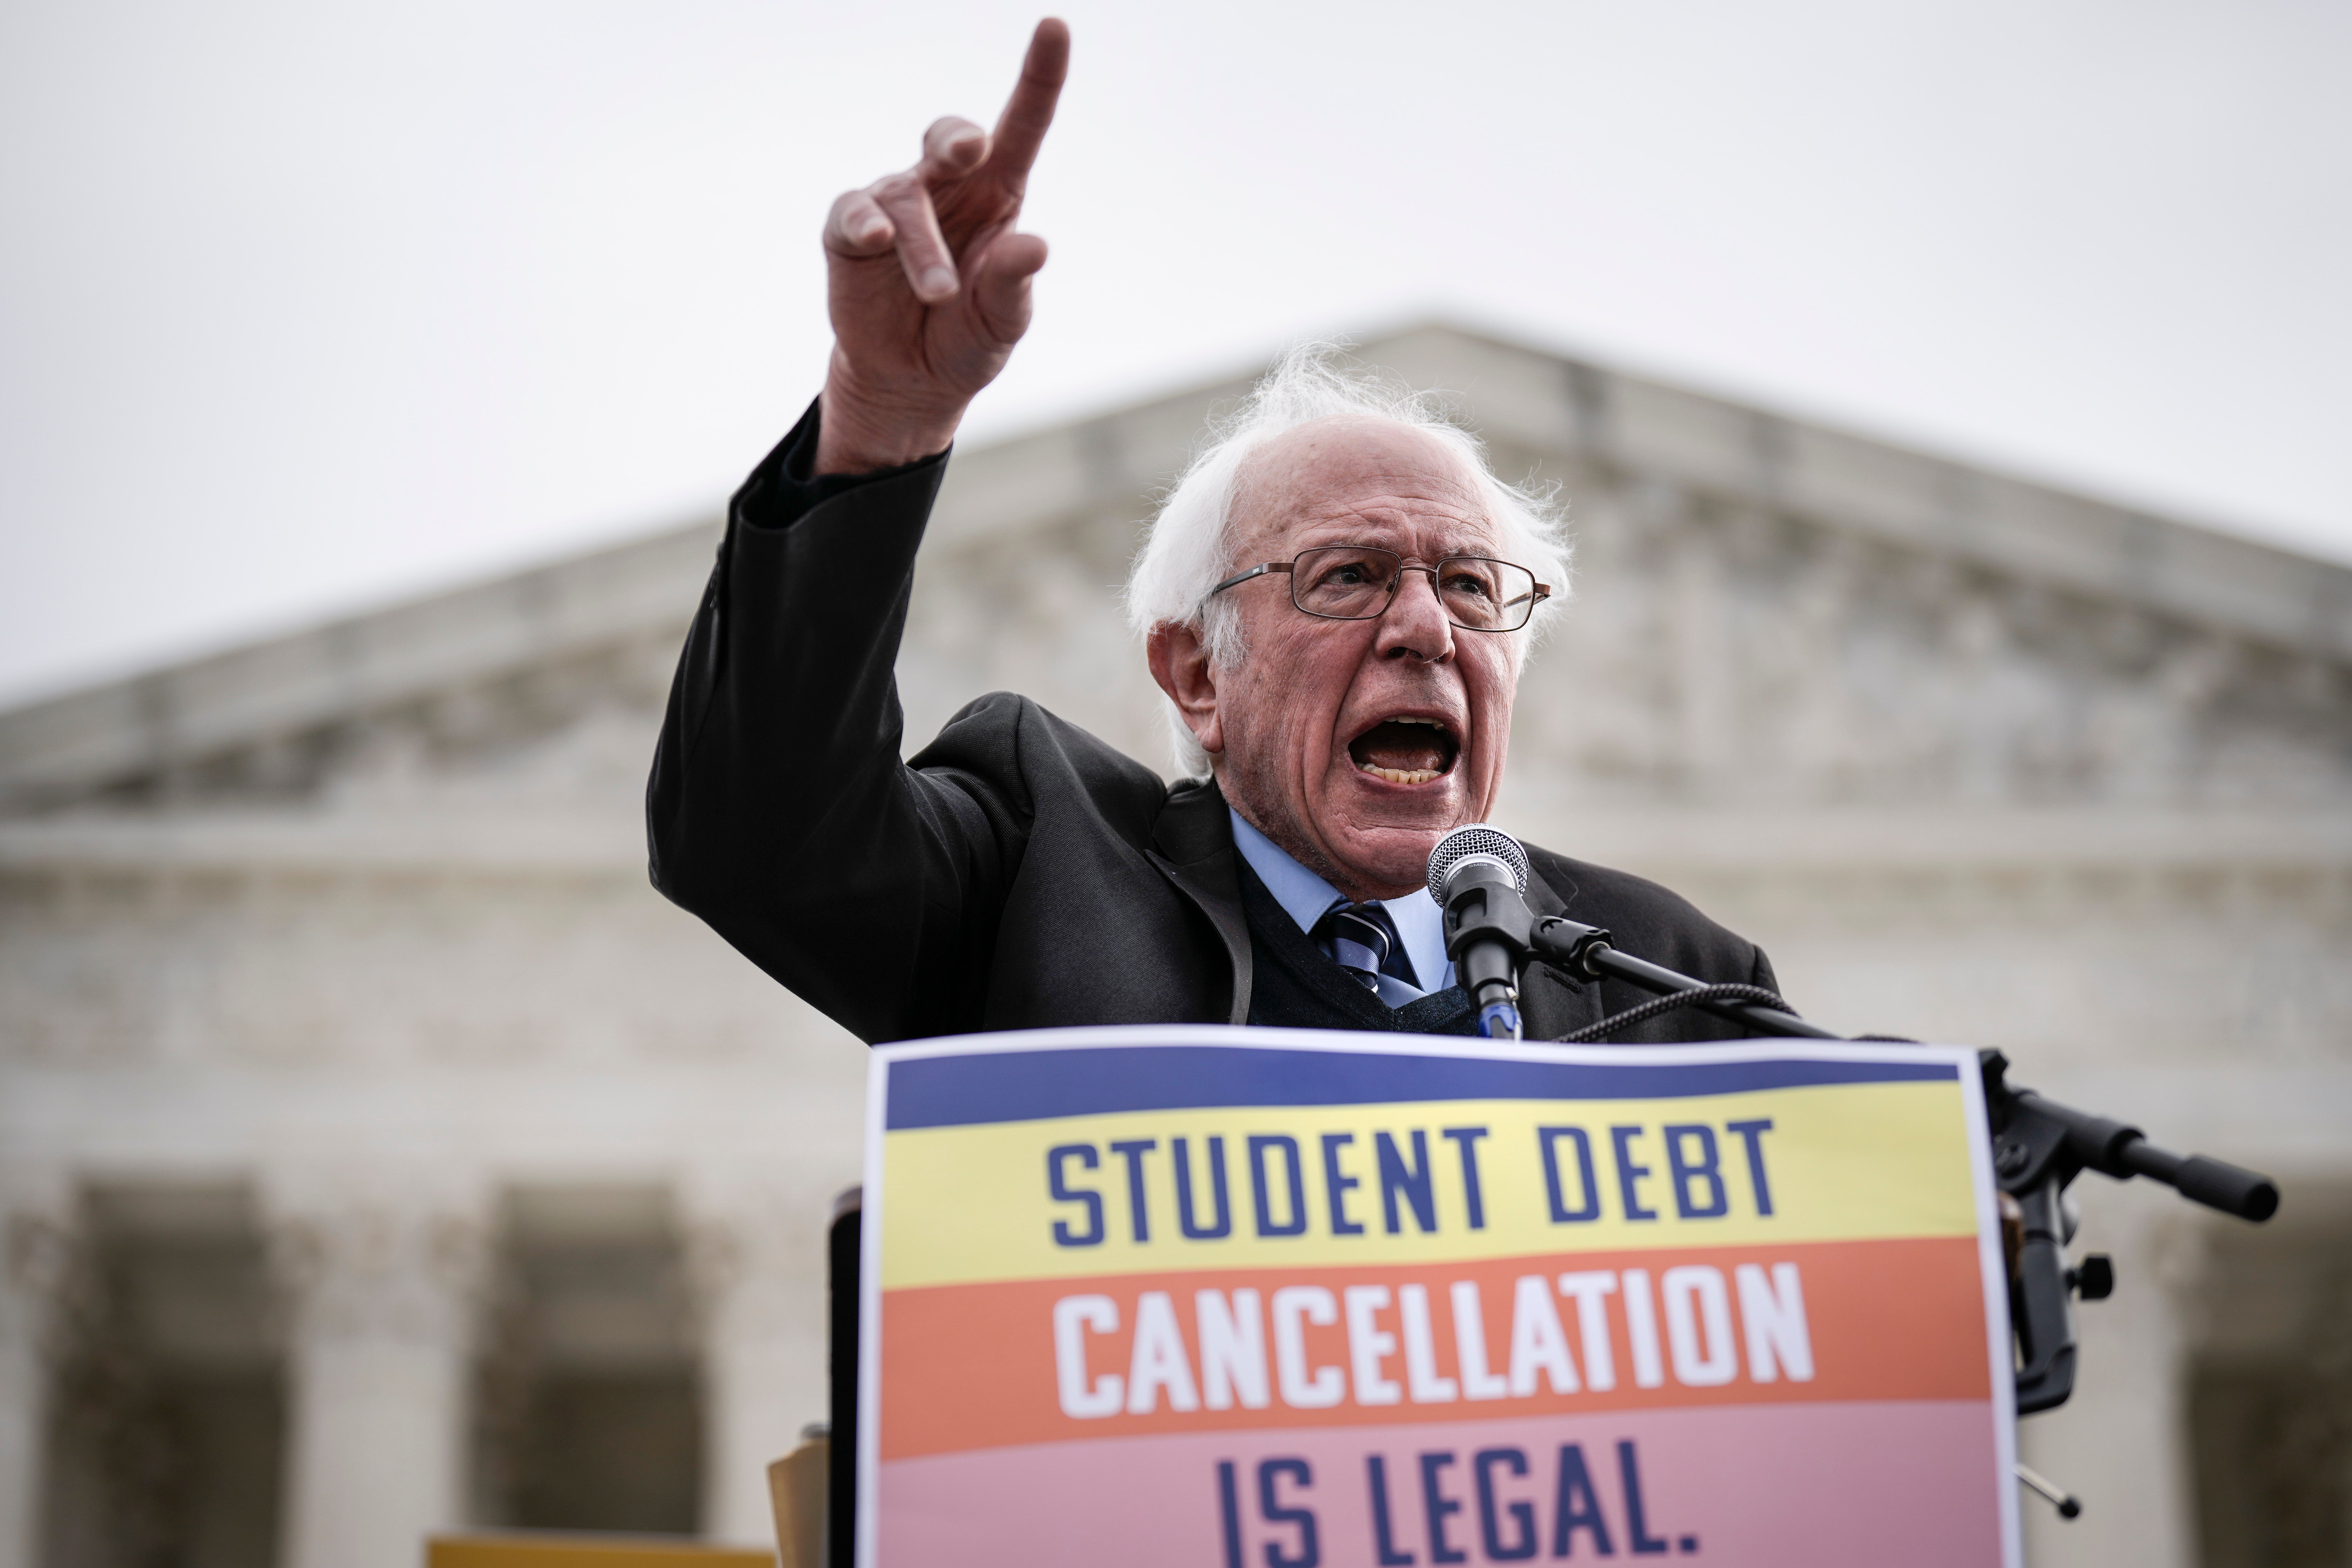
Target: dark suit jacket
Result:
[1017, 873]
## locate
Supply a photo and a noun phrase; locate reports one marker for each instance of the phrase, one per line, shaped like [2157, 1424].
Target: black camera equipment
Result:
[1479, 876]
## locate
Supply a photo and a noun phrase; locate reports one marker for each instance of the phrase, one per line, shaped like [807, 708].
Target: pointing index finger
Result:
[1029, 110]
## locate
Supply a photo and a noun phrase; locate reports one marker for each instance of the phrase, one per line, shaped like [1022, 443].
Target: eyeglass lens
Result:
[1355, 583]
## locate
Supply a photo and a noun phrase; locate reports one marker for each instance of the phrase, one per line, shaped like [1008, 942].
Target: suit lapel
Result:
[1550, 1004]
[1192, 845]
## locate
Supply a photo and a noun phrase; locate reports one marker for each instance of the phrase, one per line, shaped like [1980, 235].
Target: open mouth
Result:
[1406, 750]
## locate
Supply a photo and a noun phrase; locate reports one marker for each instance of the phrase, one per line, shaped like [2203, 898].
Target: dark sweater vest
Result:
[1297, 985]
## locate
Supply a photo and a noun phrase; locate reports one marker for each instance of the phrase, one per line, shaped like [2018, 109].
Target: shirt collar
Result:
[1306, 897]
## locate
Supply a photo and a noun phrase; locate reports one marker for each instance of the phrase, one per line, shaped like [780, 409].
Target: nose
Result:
[1416, 625]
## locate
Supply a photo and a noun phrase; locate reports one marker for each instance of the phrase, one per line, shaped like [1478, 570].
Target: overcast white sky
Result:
[307, 307]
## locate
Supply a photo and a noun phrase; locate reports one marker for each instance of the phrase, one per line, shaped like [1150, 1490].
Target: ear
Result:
[1179, 663]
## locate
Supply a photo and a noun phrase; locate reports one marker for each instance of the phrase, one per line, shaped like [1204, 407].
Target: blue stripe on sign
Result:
[1028, 1086]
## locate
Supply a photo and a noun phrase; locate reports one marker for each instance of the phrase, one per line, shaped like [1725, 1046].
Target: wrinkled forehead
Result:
[1363, 481]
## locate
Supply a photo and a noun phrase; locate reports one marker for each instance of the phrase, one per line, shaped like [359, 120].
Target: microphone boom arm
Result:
[1478, 874]
[2039, 1148]
[1591, 951]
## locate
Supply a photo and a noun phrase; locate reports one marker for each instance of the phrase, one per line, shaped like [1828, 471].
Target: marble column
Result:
[2121, 1443]
[35, 1256]
[758, 1261]
[383, 1282]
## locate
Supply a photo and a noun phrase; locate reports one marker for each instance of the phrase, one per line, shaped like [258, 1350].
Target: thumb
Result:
[1000, 285]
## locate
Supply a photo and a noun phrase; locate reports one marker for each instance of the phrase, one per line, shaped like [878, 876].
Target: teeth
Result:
[1401, 775]
[1431, 723]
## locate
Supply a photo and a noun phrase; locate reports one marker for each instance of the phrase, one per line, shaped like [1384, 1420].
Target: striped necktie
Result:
[1359, 938]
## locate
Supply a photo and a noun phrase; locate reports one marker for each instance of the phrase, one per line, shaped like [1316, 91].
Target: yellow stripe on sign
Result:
[1314, 1185]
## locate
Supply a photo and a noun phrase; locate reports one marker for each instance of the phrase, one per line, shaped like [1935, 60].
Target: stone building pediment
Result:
[1771, 616]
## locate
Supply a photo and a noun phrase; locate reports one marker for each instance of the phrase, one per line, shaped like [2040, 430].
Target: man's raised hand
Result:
[927, 283]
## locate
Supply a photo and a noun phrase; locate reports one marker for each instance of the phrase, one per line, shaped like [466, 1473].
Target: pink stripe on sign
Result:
[1816, 1484]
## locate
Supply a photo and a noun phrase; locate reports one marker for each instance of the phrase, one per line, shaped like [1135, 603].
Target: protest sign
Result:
[1233, 1298]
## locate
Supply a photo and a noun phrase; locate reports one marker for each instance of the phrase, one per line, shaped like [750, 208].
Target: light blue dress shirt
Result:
[1307, 897]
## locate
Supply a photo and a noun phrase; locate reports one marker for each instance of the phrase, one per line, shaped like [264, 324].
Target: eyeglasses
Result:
[1360, 581]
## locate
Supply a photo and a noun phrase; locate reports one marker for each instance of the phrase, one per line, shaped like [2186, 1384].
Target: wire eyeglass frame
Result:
[1538, 592]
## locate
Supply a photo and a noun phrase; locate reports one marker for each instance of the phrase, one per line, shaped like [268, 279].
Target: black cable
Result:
[1658, 1006]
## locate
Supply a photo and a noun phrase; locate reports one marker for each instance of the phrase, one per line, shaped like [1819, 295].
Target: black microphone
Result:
[1478, 874]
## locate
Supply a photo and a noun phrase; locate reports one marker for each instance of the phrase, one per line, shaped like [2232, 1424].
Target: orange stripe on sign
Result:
[983, 1366]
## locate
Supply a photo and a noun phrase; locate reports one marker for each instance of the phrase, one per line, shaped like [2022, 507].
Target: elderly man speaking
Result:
[1336, 599]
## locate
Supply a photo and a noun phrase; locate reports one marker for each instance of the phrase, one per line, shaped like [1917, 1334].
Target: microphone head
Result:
[1475, 839]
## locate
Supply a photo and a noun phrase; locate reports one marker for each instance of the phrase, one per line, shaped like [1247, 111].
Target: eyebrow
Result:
[1444, 549]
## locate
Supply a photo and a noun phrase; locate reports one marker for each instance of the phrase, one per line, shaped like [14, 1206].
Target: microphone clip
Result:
[1567, 944]
[1490, 936]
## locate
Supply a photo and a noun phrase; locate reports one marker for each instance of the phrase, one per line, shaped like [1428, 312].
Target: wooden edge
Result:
[796, 1488]
[528, 1550]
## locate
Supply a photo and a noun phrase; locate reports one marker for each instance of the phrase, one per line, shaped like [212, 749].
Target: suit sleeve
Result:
[778, 808]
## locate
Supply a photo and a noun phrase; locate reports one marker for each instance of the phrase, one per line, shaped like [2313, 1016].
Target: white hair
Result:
[1189, 549]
